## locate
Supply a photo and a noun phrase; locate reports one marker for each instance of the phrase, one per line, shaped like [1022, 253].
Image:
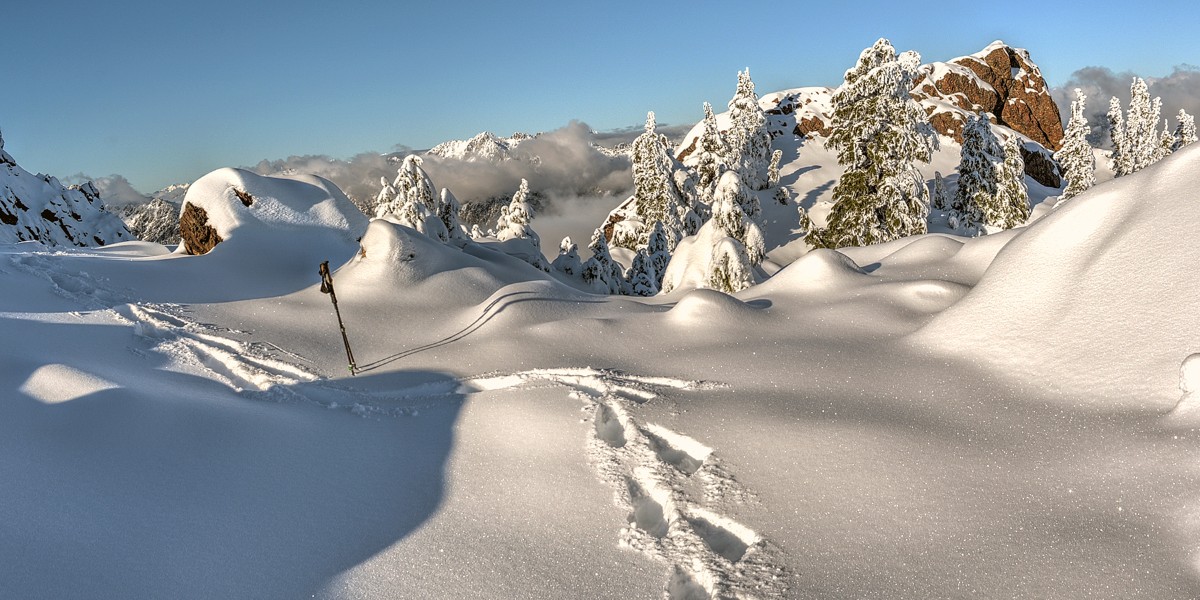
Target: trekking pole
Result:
[327, 288]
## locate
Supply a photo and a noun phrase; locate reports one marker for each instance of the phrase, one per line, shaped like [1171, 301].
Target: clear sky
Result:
[163, 91]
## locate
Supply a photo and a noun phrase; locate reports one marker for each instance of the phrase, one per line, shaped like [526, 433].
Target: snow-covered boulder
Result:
[229, 204]
[1098, 297]
[40, 208]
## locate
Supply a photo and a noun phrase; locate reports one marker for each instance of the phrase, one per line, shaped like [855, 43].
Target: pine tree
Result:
[410, 200]
[601, 270]
[749, 141]
[1141, 126]
[567, 260]
[642, 276]
[879, 133]
[1075, 156]
[448, 209]
[659, 252]
[734, 209]
[711, 157]
[1185, 131]
[773, 170]
[517, 217]
[1166, 142]
[975, 199]
[730, 269]
[1120, 140]
[940, 199]
[658, 199]
[1012, 195]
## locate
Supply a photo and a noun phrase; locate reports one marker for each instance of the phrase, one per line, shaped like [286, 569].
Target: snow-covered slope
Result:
[1098, 298]
[40, 208]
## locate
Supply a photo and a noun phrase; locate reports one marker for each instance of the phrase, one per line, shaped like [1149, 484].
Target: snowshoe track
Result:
[655, 472]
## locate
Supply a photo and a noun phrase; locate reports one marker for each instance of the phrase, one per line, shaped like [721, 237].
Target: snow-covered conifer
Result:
[749, 141]
[1120, 157]
[734, 208]
[567, 260]
[642, 277]
[1075, 156]
[730, 269]
[711, 155]
[879, 133]
[601, 270]
[1012, 195]
[975, 199]
[1166, 142]
[1185, 130]
[411, 201]
[448, 209]
[773, 170]
[940, 199]
[517, 217]
[658, 199]
[476, 233]
[659, 251]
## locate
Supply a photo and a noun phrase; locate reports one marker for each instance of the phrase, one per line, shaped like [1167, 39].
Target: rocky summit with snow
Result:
[774, 371]
[40, 208]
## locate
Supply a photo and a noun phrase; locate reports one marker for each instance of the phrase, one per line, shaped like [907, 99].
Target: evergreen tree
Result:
[940, 199]
[710, 157]
[601, 270]
[1012, 195]
[448, 209]
[749, 141]
[730, 269]
[567, 260]
[517, 217]
[643, 279]
[1166, 142]
[1075, 156]
[658, 199]
[411, 201]
[1120, 142]
[975, 199]
[659, 252]
[734, 209]
[879, 133]
[1141, 126]
[773, 170]
[1185, 131]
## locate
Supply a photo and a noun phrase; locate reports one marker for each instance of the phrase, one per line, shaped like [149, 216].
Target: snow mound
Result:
[241, 203]
[57, 383]
[397, 259]
[1098, 296]
[819, 269]
[703, 306]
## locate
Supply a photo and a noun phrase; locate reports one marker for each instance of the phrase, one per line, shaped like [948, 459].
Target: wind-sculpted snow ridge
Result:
[656, 474]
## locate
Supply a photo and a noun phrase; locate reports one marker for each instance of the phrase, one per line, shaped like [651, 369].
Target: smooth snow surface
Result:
[936, 417]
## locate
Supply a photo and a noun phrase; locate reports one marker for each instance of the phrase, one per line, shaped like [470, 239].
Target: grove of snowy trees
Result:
[1136, 140]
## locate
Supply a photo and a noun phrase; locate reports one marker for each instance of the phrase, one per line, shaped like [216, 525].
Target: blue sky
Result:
[164, 92]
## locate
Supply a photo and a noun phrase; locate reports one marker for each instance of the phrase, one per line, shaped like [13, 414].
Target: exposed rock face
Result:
[198, 236]
[1001, 80]
[40, 208]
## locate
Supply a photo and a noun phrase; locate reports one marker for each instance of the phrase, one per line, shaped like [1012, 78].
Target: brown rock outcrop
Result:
[1001, 80]
[198, 236]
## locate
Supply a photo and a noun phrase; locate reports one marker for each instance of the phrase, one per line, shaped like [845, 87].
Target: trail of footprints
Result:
[656, 474]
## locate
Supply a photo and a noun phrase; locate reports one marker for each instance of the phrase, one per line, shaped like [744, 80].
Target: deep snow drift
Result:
[935, 417]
